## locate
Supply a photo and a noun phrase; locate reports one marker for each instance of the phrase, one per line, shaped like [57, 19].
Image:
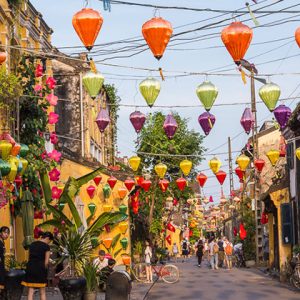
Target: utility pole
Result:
[230, 165]
[257, 202]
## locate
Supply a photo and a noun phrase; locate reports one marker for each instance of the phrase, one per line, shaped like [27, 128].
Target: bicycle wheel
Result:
[295, 281]
[139, 272]
[170, 274]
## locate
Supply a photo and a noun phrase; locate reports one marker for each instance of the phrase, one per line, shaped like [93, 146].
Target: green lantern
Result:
[123, 208]
[124, 243]
[150, 89]
[93, 83]
[24, 150]
[95, 242]
[5, 148]
[92, 208]
[24, 163]
[207, 94]
[269, 94]
[4, 167]
[106, 191]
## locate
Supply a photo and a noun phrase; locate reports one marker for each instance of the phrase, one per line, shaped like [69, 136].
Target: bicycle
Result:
[295, 274]
[167, 272]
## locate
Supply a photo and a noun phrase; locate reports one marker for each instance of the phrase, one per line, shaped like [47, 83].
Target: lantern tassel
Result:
[161, 74]
[252, 15]
[243, 75]
[107, 5]
[210, 123]
[93, 66]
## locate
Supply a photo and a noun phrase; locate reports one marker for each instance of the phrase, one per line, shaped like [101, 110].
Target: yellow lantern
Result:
[214, 165]
[134, 162]
[160, 170]
[273, 156]
[107, 208]
[13, 161]
[186, 166]
[243, 162]
[298, 153]
[123, 227]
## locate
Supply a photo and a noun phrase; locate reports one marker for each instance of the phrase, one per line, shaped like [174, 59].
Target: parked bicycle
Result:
[295, 274]
[167, 272]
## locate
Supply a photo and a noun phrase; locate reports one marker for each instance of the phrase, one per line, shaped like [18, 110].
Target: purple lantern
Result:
[170, 126]
[207, 121]
[103, 119]
[137, 120]
[282, 114]
[247, 120]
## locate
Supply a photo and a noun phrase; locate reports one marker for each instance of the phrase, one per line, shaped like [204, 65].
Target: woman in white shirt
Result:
[148, 256]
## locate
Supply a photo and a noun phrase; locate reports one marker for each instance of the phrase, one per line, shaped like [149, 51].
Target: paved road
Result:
[204, 284]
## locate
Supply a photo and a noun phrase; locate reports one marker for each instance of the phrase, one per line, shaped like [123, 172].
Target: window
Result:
[95, 151]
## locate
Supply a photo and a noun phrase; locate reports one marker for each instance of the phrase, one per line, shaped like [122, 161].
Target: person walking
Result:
[221, 255]
[213, 254]
[228, 250]
[185, 249]
[4, 235]
[148, 256]
[175, 251]
[36, 271]
[199, 252]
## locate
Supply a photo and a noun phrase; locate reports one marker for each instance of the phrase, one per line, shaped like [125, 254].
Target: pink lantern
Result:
[282, 114]
[91, 191]
[52, 99]
[52, 118]
[207, 121]
[137, 120]
[247, 120]
[54, 174]
[103, 119]
[170, 126]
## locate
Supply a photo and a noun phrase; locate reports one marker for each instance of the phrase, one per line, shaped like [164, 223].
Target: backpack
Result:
[228, 249]
[215, 248]
[184, 246]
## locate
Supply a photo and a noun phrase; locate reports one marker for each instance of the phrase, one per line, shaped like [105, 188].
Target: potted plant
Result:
[137, 251]
[90, 272]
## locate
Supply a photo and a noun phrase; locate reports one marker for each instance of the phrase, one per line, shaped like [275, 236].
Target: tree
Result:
[154, 140]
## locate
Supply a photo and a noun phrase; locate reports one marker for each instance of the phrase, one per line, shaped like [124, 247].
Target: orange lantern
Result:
[122, 192]
[126, 260]
[297, 36]
[157, 33]
[237, 38]
[3, 57]
[107, 242]
[87, 24]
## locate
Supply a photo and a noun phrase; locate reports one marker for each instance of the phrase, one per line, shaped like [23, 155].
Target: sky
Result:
[271, 50]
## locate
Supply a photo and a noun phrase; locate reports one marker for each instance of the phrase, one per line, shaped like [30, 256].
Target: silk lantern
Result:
[123, 227]
[170, 126]
[137, 120]
[5, 168]
[163, 184]
[259, 164]
[297, 36]
[106, 191]
[91, 191]
[221, 176]
[15, 149]
[298, 153]
[247, 120]
[242, 232]
[97, 180]
[122, 192]
[24, 164]
[181, 183]
[269, 94]
[13, 168]
[282, 114]
[3, 57]
[112, 181]
[214, 164]
[207, 121]
[160, 170]
[103, 119]
[237, 38]
[107, 242]
[201, 179]
[186, 166]
[243, 162]
[93, 83]
[92, 208]
[107, 208]
[123, 208]
[150, 89]
[240, 174]
[5, 149]
[24, 150]
[157, 33]
[124, 243]
[273, 156]
[146, 184]
[207, 94]
[129, 183]
[134, 162]
[87, 24]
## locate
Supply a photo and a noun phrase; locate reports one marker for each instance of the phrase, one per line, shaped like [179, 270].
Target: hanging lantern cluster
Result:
[157, 33]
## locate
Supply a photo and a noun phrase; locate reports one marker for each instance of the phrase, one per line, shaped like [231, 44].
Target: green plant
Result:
[296, 249]
[138, 248]
[90, 272]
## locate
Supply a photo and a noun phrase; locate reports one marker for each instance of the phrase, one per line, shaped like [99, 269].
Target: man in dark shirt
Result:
[221, 252]
[105, 272]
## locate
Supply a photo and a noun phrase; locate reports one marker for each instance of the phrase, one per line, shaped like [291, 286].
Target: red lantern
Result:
[87, 24]
[297, 36]
[112, 181]
[282, 147]
[190, 233]
[243, 232]
[264, 218]
[129, 183]
[91, 191]
[139, 180]
[181, 183]
[97, 180]
[211, 199]
[259, 164]
[169, 239]
[157, 33]
[201, 179]
[18, 181]
[175, 202]
[3, 57]
[237, 38]
[221, 176]
[146, 184]
[135, 202]
[240, 174]
[163, 184]
[171, 227]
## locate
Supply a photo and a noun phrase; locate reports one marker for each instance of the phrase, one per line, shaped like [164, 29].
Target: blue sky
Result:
[126, 21]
